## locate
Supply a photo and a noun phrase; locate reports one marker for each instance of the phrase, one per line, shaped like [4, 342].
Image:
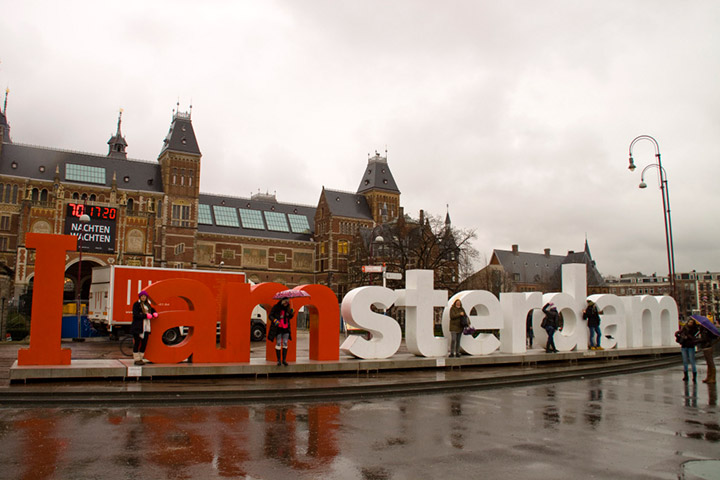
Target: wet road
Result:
[642, 425]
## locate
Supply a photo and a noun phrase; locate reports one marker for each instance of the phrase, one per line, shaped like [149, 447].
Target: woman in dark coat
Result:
[687, 337]
[143, 312]
[707, 343]
[457, 316]
[550, 323]
[280, 316]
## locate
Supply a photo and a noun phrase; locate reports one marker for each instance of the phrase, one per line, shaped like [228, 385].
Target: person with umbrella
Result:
[709, 336]
[280, 316]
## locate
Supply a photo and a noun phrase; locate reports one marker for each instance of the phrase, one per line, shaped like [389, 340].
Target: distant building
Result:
[516, 271]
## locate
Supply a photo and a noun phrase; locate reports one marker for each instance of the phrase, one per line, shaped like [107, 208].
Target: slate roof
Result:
[181, 136]
[263, 204]
[378, 176]
[40, 163]
[539, 267]
[349, 205]
[532, 267]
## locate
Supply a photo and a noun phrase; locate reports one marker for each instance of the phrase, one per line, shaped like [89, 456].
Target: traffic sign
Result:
[393, 276]
[372, 268]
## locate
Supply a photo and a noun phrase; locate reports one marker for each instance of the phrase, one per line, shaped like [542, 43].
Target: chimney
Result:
[515, 249]
[547, 252]
[422, 217]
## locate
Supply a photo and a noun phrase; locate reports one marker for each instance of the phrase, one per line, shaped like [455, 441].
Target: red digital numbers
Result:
[92, 211]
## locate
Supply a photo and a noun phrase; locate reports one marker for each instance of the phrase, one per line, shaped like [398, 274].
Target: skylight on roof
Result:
[276, 222]
[85, 173]
[251, 219]
[204, 215]
[299, 223]
[225, 216]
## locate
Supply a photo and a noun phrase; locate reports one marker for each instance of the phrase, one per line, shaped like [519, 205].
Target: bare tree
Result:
[427, 244]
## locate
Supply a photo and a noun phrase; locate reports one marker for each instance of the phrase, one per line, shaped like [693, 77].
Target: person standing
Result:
[592, 316]
[280, 315]
[707, 342]
[143, 312]
[529, 332]
[687, 337]
[550, 323]
[458, 321]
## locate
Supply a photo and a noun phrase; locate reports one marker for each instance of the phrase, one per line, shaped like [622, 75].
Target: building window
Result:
[343, 247]
[3, 243]
[179, 248]
[181, 215]
[130, 206]
[5, 223]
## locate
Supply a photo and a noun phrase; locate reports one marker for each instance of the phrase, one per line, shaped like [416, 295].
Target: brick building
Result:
[152, 213]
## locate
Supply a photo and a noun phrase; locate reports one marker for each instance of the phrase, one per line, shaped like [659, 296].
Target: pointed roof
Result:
[117, 142]
[377, 176]
[3, 120]
[181, 136]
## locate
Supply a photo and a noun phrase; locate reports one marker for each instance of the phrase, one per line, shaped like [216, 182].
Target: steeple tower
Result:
[379, 188]
[4, 125]
[117, 142]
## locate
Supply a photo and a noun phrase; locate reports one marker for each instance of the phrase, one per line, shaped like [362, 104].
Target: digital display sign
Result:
[97, 235]
[92, 211]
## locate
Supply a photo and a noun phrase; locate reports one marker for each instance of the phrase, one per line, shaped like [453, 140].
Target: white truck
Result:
[114, 290]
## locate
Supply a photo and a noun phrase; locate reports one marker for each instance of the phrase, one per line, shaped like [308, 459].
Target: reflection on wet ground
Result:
[645, 425]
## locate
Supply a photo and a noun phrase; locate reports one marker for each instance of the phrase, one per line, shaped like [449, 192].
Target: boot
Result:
[138, 358]
[685, 376]
[284, 356]
[277, 352]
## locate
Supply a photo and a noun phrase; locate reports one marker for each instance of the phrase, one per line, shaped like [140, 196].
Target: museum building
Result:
[152, 214]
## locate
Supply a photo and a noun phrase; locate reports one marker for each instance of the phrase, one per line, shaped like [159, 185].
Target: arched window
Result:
[130, 206]
[13, 198]
[35, 195]
[76, 196]
[44, 195]
[92, 197]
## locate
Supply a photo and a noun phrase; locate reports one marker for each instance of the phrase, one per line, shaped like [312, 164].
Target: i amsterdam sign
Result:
[639, 321]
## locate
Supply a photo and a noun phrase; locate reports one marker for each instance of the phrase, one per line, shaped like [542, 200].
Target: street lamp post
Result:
[84, 219]
[665, 192]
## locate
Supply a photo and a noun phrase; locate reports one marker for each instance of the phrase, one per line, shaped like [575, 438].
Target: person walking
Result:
[280, 315]
[592, 316]
[458, 322]
[143, 312]
[550, 323]
[687, 337]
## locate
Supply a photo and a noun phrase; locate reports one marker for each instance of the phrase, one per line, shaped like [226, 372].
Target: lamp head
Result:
[631, 167]
[642, 185]
[84, 218]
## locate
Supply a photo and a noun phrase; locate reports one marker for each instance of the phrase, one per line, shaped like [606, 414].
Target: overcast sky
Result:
[516, 114]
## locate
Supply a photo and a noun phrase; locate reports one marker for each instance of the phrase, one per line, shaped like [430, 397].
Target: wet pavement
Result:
[641, 425]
